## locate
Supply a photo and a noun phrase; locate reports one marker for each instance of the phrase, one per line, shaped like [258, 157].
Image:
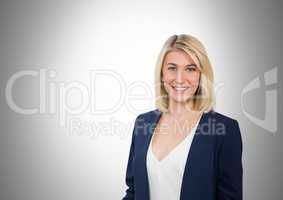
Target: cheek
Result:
[194, 79]
[168, 76]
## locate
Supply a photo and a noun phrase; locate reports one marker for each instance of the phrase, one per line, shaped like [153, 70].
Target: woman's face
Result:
[180, 76]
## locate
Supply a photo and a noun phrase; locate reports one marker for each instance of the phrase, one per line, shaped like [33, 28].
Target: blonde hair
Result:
[204, 98]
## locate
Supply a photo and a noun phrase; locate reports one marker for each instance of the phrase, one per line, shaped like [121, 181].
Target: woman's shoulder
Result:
[150, 115]
[224, 125]
[224, 118]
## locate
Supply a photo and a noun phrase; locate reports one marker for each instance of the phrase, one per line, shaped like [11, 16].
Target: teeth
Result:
[180, 88]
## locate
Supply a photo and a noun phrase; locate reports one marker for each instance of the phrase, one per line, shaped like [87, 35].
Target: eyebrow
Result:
[185, 66]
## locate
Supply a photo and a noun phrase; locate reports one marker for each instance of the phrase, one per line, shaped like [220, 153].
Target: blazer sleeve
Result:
[230, 170]
[130, 191]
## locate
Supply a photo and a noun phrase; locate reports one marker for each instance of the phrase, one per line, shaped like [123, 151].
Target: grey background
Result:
[39, 159]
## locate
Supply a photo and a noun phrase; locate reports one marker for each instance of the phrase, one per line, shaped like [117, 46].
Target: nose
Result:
[180, 78]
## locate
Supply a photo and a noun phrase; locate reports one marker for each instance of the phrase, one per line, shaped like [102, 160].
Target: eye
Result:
[191, 68]
[171, 68]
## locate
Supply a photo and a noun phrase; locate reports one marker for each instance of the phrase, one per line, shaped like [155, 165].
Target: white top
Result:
[165, 176]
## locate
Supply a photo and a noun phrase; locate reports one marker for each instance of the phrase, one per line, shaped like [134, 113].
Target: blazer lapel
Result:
[150, 124]
[197, 159]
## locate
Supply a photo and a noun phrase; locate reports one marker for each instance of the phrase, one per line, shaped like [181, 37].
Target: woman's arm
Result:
[230, 171]
[130, 191]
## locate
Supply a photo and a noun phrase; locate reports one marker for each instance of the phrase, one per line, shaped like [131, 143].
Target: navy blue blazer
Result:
[213, 169]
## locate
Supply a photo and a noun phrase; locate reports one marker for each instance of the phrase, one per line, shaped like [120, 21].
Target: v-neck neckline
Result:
[172, 151]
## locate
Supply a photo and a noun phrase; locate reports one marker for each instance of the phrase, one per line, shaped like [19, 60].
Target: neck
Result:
[179, 109]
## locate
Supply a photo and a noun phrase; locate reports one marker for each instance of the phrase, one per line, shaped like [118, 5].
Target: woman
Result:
[184, 149]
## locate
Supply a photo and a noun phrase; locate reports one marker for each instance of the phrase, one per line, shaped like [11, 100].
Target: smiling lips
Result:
[179, 89]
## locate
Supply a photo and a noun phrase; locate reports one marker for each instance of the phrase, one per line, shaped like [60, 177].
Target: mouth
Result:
[180, 89]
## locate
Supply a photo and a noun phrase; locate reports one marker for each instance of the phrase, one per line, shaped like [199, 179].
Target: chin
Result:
[180, 99]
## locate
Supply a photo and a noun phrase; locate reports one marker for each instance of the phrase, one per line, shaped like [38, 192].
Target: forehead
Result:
[179, 57]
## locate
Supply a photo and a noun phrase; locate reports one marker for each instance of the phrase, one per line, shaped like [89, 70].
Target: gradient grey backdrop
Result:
[40, 159]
